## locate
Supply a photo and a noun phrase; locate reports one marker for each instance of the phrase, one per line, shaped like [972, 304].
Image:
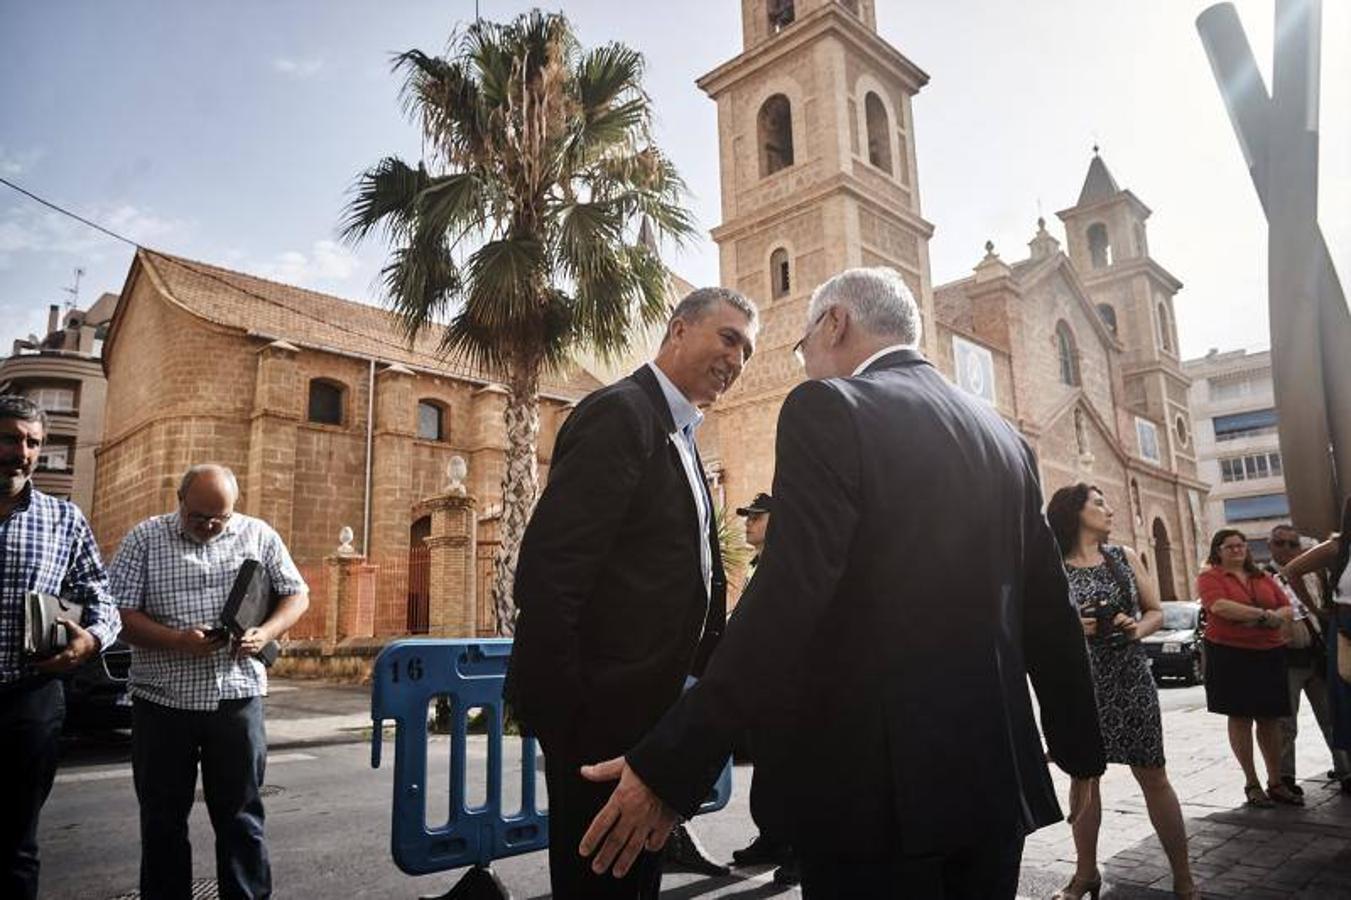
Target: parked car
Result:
[1176, 649]
[96, 692]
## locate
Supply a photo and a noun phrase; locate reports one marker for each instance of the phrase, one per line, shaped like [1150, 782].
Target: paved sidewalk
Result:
[304, 713]
[1236, 851]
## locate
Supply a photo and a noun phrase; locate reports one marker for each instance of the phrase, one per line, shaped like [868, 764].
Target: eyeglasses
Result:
[200, 520]
[1281, 542]
[797, 348]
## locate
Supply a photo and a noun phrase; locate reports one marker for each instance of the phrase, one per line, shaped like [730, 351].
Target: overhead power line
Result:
[65, 212]
[225, 282]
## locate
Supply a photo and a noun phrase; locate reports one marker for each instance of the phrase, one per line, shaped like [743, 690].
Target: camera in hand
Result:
[1103, 611]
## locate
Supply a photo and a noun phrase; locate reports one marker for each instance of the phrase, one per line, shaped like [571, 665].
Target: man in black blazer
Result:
[620, 588]
[909, 586]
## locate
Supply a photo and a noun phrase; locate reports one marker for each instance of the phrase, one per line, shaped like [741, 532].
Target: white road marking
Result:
[125, 771]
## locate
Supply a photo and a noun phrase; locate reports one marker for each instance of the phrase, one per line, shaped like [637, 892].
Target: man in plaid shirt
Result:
[196, 696]
[46, 546]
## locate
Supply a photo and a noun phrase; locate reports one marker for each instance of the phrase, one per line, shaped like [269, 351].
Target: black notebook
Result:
[249, 605]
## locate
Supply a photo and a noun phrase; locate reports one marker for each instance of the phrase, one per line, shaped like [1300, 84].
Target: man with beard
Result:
[46, 546]
[197, 697]
[620, 576]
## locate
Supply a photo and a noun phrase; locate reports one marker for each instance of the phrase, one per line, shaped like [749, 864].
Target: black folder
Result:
[250, 603]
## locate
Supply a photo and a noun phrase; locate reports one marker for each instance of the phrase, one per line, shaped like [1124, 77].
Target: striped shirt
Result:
[162, 572]
[46, 546]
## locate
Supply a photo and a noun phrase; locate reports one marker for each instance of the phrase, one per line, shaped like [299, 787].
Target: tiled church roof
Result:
[259, 306]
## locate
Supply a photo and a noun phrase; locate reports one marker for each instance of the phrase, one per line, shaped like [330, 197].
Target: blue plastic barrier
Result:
[469, 673]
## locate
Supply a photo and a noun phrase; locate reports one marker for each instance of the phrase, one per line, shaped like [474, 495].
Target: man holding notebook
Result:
[197, 691]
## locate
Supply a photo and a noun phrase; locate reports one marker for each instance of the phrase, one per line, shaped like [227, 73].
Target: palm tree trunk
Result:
[520, 485]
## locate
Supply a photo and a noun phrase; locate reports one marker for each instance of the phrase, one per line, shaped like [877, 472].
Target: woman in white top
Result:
[1333, 555]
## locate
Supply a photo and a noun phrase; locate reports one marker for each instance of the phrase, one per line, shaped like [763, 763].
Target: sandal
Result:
[1282, 794]
[1257, 797]
[1077, 890]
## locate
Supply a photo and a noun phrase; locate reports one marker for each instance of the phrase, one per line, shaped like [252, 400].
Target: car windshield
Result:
[1178, 616]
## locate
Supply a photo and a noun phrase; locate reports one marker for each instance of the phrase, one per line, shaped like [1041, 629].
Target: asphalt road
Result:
[328, 816]
[327, 823]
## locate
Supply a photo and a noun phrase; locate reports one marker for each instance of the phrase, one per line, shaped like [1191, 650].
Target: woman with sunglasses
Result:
[1333, 556]
[1245, 660]
[1118, 604]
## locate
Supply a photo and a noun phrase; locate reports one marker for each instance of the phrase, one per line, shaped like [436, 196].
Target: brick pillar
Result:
[392, 462]
[488, 443]
[351, 599]
[270, 481]
[392, 488]
[453, 544]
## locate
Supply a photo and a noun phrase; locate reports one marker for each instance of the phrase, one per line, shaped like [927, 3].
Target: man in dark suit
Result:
[909, 586]
[619, 587]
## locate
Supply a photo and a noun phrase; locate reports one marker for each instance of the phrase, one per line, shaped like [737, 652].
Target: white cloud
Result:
[27, 229]
[16, 162]
[299, 68]
[326, 263]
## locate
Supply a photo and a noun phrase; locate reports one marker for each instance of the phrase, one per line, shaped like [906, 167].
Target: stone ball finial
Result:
[345, 536]
[1041, 223]
[1095, 149]
[456, 471]
[989, 246]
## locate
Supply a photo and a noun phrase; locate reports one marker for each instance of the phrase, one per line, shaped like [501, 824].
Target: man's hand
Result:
[1081, 790]
[80, 645]
[632, 819]
[196, 642]
[251, 643]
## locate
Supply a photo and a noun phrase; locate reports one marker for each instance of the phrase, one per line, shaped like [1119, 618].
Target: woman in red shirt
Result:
[1245, 659]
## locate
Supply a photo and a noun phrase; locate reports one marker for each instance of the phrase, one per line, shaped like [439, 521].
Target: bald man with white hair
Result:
[197, 696]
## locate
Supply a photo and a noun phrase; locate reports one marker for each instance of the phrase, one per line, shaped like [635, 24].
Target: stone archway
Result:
[1163, 553]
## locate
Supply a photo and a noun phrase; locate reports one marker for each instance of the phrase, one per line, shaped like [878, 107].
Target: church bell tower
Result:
[817, 155]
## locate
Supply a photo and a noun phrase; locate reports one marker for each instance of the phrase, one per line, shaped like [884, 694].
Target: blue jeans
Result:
[231, 745]
[31, 713]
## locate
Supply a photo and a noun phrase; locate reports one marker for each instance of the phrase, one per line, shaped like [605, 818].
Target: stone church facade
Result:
[1076, 347]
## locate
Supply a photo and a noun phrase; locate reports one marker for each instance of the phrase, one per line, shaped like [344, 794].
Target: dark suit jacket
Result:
[908, 587]
[609, 587]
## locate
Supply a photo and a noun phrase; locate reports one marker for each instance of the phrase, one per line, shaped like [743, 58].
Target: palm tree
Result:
[520, 227]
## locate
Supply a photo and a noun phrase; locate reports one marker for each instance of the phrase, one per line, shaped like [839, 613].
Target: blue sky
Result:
[230, 133]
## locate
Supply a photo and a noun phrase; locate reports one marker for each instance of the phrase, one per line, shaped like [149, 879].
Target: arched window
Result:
[781, 14]
[431, 421]
[775, 127]
[879, 133]
[1099, 249]
[779, 281]
[1107, 313]
[1069, 365]
[1165, 328]
[325, 402]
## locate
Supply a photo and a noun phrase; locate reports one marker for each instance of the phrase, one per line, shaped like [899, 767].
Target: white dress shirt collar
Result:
[686, 415]
[862, 367]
